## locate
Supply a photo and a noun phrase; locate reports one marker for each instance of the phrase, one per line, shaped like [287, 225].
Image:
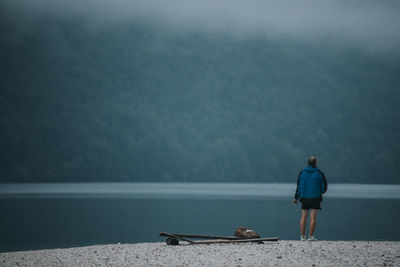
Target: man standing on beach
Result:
[311, 184]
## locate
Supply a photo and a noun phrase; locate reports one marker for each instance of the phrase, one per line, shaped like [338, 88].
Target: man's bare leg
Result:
[313, 221]
[303, 222]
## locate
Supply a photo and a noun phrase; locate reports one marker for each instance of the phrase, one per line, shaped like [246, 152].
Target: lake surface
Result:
[35, 216]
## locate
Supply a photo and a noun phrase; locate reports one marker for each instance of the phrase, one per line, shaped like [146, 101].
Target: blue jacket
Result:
[311, 183]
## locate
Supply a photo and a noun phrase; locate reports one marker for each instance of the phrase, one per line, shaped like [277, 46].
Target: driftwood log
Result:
[202, 236]
[173, 239]
[220, 241]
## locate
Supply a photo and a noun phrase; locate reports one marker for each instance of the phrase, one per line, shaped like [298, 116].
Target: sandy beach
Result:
[282, 253]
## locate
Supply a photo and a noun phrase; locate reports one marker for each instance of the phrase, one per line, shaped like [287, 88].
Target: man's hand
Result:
[295, 201]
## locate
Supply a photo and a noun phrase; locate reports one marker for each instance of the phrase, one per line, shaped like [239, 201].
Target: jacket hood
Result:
[310, 169]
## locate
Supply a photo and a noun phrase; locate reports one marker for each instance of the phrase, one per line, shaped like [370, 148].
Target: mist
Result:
[199, 91]
[369, 24]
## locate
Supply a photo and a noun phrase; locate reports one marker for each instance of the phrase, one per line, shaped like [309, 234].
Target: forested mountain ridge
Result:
[134, 102]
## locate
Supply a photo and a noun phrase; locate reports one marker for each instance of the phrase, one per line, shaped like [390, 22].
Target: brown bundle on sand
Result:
[244, 232]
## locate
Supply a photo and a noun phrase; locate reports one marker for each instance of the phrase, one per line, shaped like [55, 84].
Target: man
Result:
[311, 184]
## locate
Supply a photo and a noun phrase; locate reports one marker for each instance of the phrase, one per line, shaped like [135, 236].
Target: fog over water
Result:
[68, 215]
[120, 119]
[371, 24]
[189, 191]
[199, 91]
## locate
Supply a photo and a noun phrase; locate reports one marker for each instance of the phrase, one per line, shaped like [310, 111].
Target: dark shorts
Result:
[307, 204]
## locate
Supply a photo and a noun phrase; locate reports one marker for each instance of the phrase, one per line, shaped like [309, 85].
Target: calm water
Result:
[64, 215]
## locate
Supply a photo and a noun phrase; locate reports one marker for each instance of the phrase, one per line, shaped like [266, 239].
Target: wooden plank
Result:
[219, 241]
[204, 236]
[272, 239]
[175, 236]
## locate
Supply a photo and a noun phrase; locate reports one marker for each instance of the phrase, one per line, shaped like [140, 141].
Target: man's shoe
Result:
[303, 238]
[312, 238]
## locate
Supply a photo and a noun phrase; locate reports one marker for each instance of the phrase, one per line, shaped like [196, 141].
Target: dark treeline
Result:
[138, 102]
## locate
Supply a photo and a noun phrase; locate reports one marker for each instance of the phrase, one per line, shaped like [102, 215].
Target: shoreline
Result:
[281, 253]
[151, 190]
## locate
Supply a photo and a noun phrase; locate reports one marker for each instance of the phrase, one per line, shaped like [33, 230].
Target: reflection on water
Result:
[64, 215]
[190, 190]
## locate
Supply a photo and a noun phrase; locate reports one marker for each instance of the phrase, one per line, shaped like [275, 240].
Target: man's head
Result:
[312, 161]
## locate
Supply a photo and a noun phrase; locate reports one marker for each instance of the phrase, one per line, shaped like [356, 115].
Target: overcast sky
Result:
[374, 25]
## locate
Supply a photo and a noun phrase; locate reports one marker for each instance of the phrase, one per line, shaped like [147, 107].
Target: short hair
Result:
[312, 161]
